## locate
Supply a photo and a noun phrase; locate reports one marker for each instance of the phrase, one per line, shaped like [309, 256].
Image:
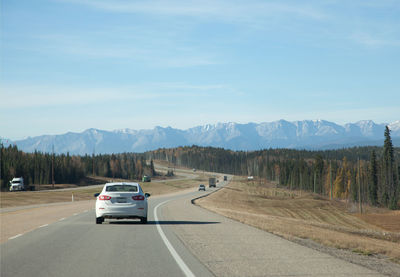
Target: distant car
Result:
[202, 187]
[121, 200]
[146, 178]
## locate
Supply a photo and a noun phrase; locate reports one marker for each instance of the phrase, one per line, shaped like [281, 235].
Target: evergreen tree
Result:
[152, 170]
[319, 170]
[373, 179]
[389, 186]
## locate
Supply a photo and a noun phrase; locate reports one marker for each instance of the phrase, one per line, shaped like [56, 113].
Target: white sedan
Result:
[121, 200]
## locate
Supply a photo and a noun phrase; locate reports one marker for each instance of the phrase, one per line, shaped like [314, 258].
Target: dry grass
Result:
[22, 198]
[304, 215]
[389, 221]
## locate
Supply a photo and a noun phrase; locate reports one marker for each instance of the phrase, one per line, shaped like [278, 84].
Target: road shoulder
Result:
[229, 248]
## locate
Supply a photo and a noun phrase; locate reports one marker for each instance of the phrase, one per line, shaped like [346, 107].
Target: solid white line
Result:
[171, 249]
[44, 225]
[14, 237]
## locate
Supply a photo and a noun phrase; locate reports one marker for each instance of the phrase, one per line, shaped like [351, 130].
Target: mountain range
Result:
[307, 134]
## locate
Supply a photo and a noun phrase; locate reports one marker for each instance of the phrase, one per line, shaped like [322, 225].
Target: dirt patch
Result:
[294, 214]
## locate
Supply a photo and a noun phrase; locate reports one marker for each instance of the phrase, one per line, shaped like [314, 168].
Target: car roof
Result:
[122, 183]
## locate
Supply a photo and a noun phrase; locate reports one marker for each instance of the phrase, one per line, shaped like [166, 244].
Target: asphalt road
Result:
[180, 239]
[77, 246]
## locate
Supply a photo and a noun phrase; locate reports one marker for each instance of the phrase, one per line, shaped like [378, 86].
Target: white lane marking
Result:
[61, 219]
[14, 237]
[171, 249]
[44, 225]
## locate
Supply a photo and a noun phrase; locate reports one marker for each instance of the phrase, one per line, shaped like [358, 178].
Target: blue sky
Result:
[69, 65]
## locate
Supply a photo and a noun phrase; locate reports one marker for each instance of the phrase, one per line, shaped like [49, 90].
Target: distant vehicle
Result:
[202, 187]
[146, 178]
[225, 178]
[212, 182]
[250, 178]
[194, 169]
[121, 200]
[17, 184]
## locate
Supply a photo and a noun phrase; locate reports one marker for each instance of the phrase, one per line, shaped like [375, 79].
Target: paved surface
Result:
[19, 222]
[76, 246]
[206, 243]
[230, 248]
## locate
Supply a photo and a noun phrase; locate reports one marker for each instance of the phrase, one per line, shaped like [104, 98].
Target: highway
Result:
[180, 239]
[76, 246]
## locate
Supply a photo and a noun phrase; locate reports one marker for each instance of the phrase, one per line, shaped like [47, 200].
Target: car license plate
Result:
[121, 200]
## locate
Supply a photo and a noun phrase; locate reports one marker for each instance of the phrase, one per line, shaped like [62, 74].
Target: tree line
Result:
[366, 174]
[37, 168]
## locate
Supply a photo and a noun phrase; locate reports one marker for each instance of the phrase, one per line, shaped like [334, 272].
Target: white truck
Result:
[17, 184]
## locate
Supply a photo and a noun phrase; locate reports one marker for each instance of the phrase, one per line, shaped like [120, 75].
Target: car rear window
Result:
[122, 188]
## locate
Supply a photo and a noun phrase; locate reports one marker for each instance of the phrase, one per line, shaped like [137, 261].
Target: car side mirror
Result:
[147, 195]
[96, 194]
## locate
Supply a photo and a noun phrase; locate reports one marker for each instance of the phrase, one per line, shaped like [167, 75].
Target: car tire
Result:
[99, 220]
[143, 220]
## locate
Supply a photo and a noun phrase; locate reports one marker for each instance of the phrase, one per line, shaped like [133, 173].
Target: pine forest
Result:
[367, 174]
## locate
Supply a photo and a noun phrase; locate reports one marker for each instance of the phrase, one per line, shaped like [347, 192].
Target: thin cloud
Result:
[146, 50]
[46, 96]
[81, 45]
[218, 10]
[41, 96]
[373, 41]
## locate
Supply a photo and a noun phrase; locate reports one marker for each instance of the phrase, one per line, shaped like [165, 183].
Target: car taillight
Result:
[104, 197]
[138, 197]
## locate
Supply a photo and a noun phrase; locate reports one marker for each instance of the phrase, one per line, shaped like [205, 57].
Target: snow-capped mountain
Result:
[308, 134]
